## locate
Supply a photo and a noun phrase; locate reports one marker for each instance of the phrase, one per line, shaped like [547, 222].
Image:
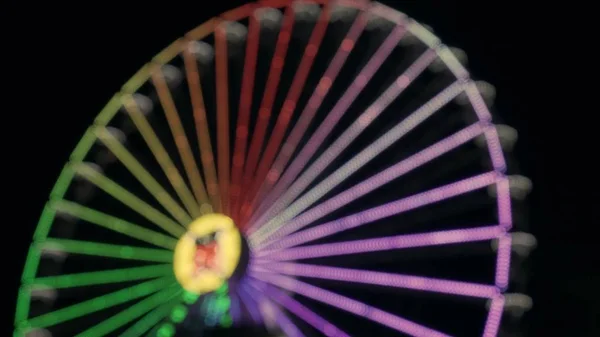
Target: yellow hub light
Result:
[208, 254]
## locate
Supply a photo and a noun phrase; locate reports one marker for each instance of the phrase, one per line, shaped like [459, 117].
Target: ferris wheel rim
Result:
[166, 55]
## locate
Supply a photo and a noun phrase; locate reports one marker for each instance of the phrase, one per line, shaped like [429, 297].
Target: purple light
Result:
[299, 310]
[495, 149]
[398, 131]
[350, 305]
[277, 241]
[380, 179]
[386, 210]
[235, 310]
[288, 327]
[503, 261]
[385, 279]
[491, 135]
[250, 304]
[504, 203]
[478, 103]
[380, 244]
[494, 317]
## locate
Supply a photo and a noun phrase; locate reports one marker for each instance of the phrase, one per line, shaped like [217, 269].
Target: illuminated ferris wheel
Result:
[311, 168]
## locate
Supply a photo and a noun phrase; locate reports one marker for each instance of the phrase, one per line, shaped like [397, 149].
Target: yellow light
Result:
[227, 254]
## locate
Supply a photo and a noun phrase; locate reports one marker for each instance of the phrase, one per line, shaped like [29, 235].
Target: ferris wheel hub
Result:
[208, 254]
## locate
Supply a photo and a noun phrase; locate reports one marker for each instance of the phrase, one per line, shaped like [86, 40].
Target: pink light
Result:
[379, 180]
[386, 210]
[504, 203]
[494, 317]
[380, 244]
[386, 279]
[343, 141]
[503, 261]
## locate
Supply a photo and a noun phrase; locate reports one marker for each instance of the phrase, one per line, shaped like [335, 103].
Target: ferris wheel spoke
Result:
[393, 172]
[250, 305]
[270, 92]
[152, 318]
[384, 279]
[243, 121]
[102, 277]
[278, 203]
[350, 305]
[381, 244]
[127, 198]
[298, 309]
[382, 143]
[292, 96]
[178, 132]
[202, 130]
[291, 100]
[235, 309]
[97, 304]
[339, 59]
[386, 210]
[341, 143]
[287, 326]
[114, 224]
[131, 313]
[222, 114]
[161, 155]
[142, 175]
[105, 250]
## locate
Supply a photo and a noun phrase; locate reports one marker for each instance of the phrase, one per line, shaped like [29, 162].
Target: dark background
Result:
[78, 55]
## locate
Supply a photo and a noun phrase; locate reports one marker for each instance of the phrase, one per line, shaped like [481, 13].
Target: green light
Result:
[179, 313]
[222, 289]
[189, 298]
[107, 250]
[102, 277]
[142, 175]
[166, 330]
[223, 303]
[127, 198]
[131, 313]
[114, 223]
[151, 319]
[46, 219]
[99, 303]
[226, 321]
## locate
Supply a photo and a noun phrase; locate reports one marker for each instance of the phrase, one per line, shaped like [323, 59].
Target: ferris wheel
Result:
[306, 168]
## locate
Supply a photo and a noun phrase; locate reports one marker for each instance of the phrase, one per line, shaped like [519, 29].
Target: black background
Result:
[72, 58]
